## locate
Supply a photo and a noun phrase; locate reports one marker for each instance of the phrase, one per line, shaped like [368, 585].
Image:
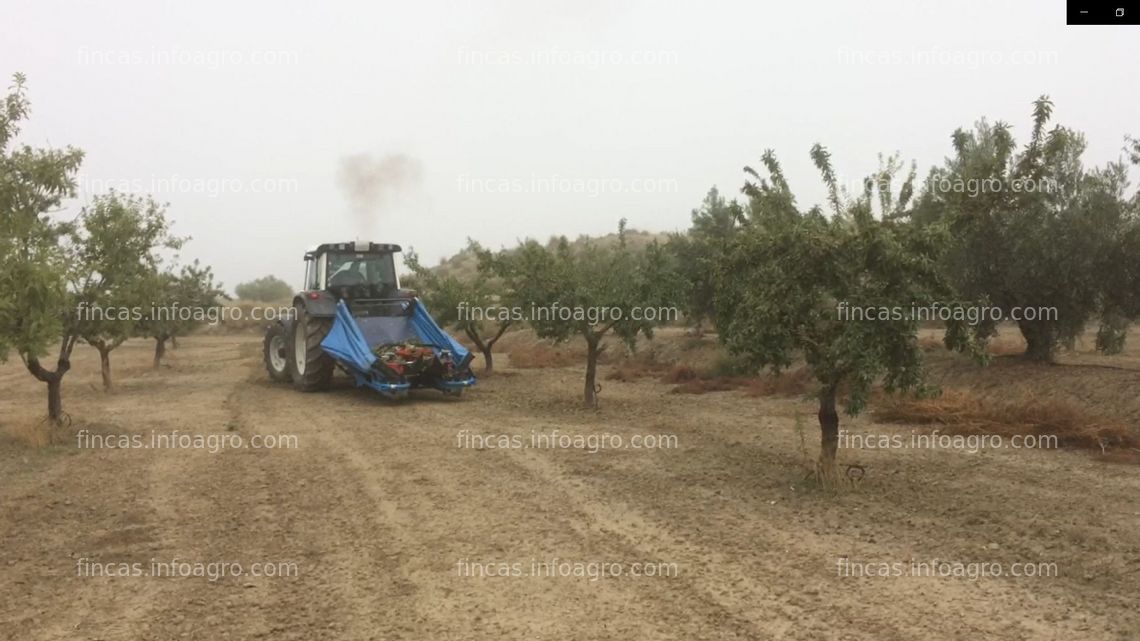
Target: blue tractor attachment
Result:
[393, 354]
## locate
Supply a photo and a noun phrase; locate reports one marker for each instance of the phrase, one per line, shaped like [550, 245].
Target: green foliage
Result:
[783, 280]
[465, 301]
[730, 365]
[267, 289]
[602, 289]
[112, 251]
[696, 252]
[1035, 229]
[33, 183]
[179, 302]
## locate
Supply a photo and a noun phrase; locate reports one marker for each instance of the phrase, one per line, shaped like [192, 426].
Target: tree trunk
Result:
[828, 429]
[473, 333]
[159, 350]
[54, 379]
[1039, 341]
[485, 346]
[591, 396]
[105, 365]
[55, 399]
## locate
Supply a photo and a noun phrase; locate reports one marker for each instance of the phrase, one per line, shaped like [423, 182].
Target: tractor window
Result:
[311, 280]
[374, 270]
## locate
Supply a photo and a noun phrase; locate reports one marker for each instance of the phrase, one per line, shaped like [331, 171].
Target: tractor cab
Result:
[363, 274]
[353, 270]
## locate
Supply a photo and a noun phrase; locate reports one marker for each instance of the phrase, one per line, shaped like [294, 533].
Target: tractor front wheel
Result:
[309, 365]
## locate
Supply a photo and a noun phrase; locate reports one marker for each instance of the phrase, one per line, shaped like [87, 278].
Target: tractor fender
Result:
[317, 304]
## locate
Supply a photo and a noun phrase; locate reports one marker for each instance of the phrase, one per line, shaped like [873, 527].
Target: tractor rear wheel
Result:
[309, 365]
[274, 353]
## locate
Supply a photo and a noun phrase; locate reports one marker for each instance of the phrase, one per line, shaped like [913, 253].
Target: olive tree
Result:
[1036, 232]
[785, 283]
[696, 252]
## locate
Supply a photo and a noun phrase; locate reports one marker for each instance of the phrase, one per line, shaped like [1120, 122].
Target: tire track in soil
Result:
[347, 546]
[1003, 606]
[317, 523]
[100, 607]
[211, 508]
[801, 566]
[763, 614]
[420, 484]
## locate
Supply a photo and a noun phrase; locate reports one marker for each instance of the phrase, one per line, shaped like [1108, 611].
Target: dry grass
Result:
[1006, 346]
[795, 382]
[689, 380]
[541, 355]
[1002, 345]
[930, 343]
[634, 370]
[792, 383]
[33, 433]
[680, 374]
[706, 385]
[966, 413]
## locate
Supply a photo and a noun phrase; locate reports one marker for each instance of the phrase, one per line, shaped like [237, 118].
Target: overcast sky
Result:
[269, 126]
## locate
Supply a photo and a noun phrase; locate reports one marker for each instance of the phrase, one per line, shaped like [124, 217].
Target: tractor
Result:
[353, 315]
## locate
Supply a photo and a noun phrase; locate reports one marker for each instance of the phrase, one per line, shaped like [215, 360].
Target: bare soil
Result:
[385, 516]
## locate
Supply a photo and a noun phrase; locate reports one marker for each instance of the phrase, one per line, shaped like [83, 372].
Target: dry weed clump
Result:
[629, 371]
[33, 433]
[1006, 347]
[965, 413]
[706, 385]
[541, 355]
[928, 343]
[691, 381]
[790, 383]
[680, 374]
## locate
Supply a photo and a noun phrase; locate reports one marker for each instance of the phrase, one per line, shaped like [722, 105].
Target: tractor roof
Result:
[355, 246]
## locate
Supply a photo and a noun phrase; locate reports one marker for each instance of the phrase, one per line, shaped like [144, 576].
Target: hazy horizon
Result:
[272, 127]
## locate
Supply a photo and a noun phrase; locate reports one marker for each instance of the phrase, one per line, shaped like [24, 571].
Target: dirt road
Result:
[389, 521]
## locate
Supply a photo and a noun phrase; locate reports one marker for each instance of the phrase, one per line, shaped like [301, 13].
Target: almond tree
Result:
[589, 291]
[34, 300]
[113, 251]
[468, 303]
[786, 279]
[178, 303]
